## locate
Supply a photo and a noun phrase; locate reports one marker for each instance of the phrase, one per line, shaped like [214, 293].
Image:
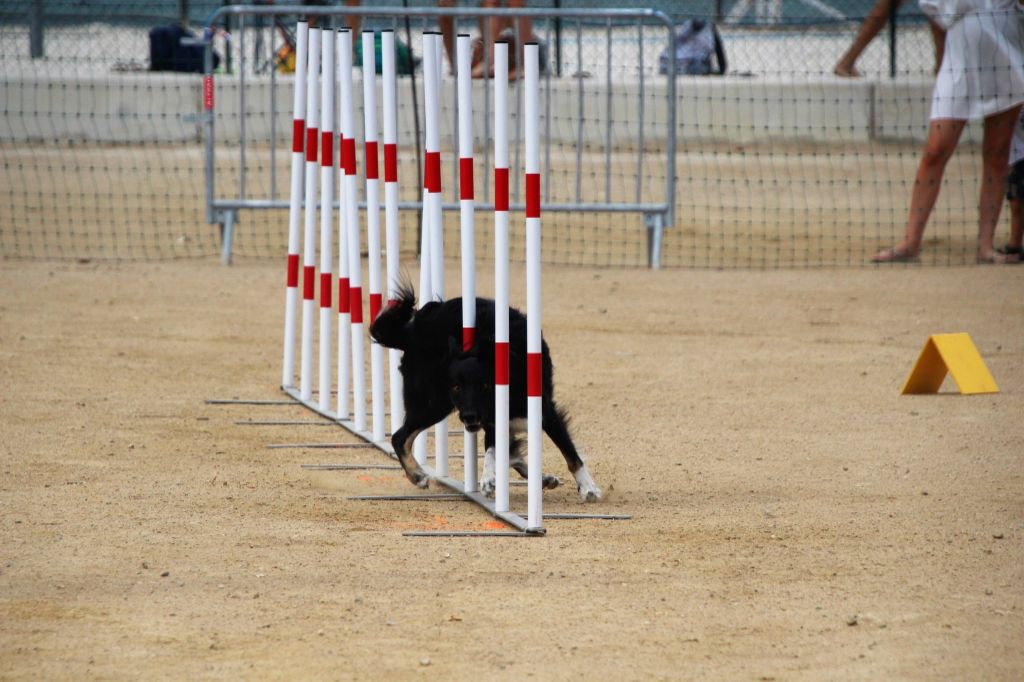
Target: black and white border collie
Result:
[439, 377]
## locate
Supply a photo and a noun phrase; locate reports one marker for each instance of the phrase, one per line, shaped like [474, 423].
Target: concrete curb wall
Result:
[165, 108]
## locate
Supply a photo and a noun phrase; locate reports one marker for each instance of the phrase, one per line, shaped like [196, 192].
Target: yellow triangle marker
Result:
[955, 354]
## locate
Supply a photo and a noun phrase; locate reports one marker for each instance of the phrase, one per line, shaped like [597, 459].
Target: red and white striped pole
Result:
[344, 304]
[426, 284]
[291, 300]
[432, 99]
[326, 215]
[348, 156]
[390, 102]
[467, 232]
[531, 133]
[373, 227]
[309, 247]
[501, 278]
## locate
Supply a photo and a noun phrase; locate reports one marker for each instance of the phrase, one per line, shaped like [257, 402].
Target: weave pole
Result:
[467, 232]
[426, 286]
[291, 300]
[432, 101]
[371, 159]
[309, 247]
[344, 302]
[355, 281]
[534, 413]
[326, 215]
[501, 278]
[391, 242]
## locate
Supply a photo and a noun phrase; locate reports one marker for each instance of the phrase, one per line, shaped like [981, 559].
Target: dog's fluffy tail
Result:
[393, 326]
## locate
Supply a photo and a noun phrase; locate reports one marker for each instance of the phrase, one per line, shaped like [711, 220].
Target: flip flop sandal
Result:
[893, 256]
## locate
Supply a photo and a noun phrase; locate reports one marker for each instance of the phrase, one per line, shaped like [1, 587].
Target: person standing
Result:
[981, 77]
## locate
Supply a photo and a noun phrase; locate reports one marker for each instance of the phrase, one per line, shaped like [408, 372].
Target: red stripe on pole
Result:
[466, 178]
[343, 294]
[348, 155]
[325, 289]
[433, 172]
[355, 298]
[298, 135]
[293, 269]
[391, 163]
[372, 170]
[311, 144]
[376, 302]
[468, 337]
[533, 195]
[327, 143]
[501, 363]
[308, 282]
[208, 93]
[501, 189]
[533, 375]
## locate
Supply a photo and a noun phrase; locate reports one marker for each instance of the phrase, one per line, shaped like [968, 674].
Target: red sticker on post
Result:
[466, 178]
[533, 195]
[501, 363]
[501, 189]
[372, 168]
[298, 133]
[390, 163]
[343, 296]
[325, 289]
[533, 375]
[208, 93]
[327, 142]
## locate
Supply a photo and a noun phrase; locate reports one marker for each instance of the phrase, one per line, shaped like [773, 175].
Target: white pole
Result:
[348, 155]
[431, 97]
[426, 285]
[344, 294]
[467, 236]
[309, 248]
[326, 215]
[295, 205]
[390, 103]
[373, 227]
[501, 278]
[531, 126]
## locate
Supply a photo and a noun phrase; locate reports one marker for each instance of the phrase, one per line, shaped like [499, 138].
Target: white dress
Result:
[982, 72]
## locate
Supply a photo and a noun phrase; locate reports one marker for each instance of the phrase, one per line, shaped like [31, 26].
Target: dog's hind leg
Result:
[558, 431]
[517, 462]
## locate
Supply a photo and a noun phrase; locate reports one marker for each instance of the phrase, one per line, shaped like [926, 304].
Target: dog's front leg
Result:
[487, 481]
[402, 442]
[415, 422]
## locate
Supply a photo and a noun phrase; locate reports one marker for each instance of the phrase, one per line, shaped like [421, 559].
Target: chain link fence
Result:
[780, 162]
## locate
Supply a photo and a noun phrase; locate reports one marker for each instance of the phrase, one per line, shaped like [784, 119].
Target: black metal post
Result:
[558, 41]
[894, 9]
[35, 30]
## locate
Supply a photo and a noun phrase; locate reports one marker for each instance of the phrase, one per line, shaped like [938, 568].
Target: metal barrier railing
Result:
[604, 153]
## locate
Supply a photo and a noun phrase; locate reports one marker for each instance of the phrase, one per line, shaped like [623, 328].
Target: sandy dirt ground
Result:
[794, 517]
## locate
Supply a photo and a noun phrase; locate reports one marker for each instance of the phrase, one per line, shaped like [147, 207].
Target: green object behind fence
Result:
[405, 63]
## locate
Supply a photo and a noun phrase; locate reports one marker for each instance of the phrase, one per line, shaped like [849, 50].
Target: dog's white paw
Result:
[589, 492]
[594, 494]
[487, 487]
